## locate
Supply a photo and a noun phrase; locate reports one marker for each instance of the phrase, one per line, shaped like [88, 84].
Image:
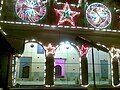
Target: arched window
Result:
[40, 49]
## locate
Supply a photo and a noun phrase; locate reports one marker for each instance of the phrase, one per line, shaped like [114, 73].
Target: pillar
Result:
[84, 70]
[5, 80]
[115, 71]
[49, 79]
[10, 70]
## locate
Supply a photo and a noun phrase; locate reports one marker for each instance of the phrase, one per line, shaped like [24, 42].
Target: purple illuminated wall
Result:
[61, 62]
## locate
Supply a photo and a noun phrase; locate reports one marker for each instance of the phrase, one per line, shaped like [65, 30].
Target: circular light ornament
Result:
[98, 15]
[30, 10]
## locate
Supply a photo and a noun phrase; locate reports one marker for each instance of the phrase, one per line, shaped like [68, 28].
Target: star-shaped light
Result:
[113, 52]
[49, 49]
[83, 50]
[66, 15]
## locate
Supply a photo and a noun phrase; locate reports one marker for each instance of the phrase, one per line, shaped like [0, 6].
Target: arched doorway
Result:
[102, 66]
[67, 65]
[30, 66]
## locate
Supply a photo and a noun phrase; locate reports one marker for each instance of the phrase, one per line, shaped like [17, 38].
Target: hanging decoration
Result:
[66, 15]
[83, 50]
[98, 15]
[30, 10]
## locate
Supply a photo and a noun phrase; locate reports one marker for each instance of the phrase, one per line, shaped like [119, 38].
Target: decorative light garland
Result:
[113, 52]
[66, 15]
[30, 10]
[98, 15]
[49, 49]
[56, 26]
[49, 26]
[60, 26]
[84, 50]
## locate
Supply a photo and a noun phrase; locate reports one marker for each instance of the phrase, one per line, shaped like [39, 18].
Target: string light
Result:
[56, 27]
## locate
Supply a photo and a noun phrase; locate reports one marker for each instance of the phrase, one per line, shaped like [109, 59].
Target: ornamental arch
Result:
[67, 57]
[102, 65]
[30, 65]
[67, 65]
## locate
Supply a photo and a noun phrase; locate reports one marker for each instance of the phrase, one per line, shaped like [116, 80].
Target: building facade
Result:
[59, 42]
[31, 66]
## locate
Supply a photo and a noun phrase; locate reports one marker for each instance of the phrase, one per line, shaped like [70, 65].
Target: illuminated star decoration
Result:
[66, 15]
[83, 50]
[49, 49]
[113, 52]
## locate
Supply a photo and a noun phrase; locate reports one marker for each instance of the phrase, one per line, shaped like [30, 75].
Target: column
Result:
[49, 79]
[84, 63]
[115, 71]
[84, 70]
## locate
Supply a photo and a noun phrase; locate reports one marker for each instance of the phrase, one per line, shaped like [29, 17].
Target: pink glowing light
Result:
[83, 50]
[60, 62]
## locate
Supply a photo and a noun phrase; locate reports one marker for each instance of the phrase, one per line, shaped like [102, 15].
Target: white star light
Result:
[49, 49]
